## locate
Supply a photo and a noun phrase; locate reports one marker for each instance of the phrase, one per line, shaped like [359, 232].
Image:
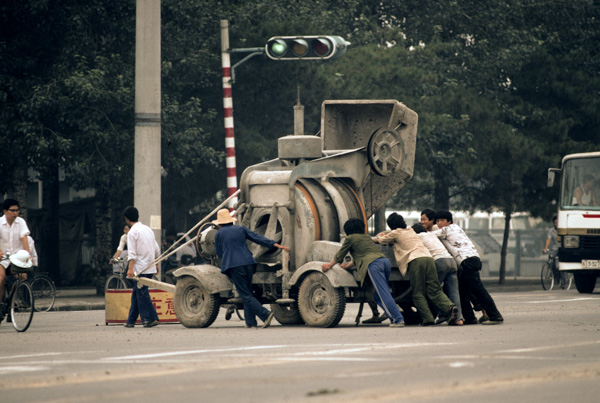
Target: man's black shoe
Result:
[151, 324]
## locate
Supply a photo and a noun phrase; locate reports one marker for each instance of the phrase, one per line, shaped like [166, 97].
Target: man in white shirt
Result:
[143, 250]
[13, 236]
[467, 258]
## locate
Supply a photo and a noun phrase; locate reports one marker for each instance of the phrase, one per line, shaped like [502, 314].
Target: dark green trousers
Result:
[426, 286]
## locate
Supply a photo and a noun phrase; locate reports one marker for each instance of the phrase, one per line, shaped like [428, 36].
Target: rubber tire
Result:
[287, 314]
[115, 282]
[547, 277]
[21, 306]
[319, 303]
[192, 303]
[44, 294]
[585, 282]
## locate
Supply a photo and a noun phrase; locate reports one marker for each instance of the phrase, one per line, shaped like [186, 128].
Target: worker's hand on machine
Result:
[347, 265]
[286, 248]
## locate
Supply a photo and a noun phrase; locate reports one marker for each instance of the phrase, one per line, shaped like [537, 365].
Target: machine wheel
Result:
[193, 305]
[547, 277]
[287, 314]
[21, 307]
[320, 304]
[385, 151]
[585, 282]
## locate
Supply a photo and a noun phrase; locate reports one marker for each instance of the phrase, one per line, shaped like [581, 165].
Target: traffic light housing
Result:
[311, 47]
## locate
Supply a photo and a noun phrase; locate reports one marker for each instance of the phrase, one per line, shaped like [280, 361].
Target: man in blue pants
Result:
[370, 261]
[143, 250]
[239, 265]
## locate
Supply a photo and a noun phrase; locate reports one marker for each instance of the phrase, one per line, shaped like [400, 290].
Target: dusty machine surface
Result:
[363, 156]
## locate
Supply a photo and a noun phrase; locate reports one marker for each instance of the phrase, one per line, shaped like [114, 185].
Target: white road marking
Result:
[345, 348]
[561, 300]
[461, 365]
[187, 352]
[10, 357]
[13, 370]
[554, 347]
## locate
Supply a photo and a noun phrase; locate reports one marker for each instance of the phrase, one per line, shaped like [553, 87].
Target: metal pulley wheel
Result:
[385, 150]
[205, 241]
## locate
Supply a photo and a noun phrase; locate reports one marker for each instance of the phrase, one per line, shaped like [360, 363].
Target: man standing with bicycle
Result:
[13, 236]
[551, 248]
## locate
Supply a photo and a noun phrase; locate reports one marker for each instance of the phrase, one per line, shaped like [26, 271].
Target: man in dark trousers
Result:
[469, 282]
[239, 265]
[143, 250]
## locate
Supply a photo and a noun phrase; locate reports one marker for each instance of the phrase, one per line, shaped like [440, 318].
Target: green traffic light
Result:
[278, 47]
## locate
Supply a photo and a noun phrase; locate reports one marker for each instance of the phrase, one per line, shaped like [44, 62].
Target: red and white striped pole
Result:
[228, 108]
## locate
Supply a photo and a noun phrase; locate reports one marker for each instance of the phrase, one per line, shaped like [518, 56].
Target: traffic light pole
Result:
[308, 47]
[228, 80]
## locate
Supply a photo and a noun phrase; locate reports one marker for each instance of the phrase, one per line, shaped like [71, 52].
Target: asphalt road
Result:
[547, 350]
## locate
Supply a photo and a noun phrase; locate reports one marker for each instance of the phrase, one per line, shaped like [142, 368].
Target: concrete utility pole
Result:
[147, 164]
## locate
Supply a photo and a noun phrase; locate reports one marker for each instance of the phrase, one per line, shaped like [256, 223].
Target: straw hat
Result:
[223, 217]
[21, 259]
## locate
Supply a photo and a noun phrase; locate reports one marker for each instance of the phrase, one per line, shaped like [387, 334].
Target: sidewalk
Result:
[78, 299]
[85, 299]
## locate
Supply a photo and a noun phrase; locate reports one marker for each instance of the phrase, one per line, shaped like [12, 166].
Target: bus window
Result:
[581, 183]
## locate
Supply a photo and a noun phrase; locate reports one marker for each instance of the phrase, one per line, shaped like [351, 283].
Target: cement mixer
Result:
[362, 157]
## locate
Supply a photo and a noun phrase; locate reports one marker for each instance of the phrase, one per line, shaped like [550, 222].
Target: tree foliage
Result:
[496, 84]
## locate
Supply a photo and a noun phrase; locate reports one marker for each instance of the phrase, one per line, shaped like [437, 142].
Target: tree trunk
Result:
[20, 188]
[103, 239]
[502, 271]
[50, 243]
[441, 192]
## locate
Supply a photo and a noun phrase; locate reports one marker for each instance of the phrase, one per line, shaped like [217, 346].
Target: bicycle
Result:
[17, 299]
[118, 280]
[551, 275]
[44, 292]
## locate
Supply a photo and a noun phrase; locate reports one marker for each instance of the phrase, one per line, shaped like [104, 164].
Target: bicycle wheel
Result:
[568, 281]
[21, 307]
[115, 282]
[44, 293]
[547, 277]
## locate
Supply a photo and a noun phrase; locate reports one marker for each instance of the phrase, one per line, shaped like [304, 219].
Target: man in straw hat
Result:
[239, 264]
[13, 236]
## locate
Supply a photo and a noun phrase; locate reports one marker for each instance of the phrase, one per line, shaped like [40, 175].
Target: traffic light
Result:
[313, 47]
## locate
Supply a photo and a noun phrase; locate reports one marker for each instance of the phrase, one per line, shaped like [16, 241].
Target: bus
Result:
[579, 218]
